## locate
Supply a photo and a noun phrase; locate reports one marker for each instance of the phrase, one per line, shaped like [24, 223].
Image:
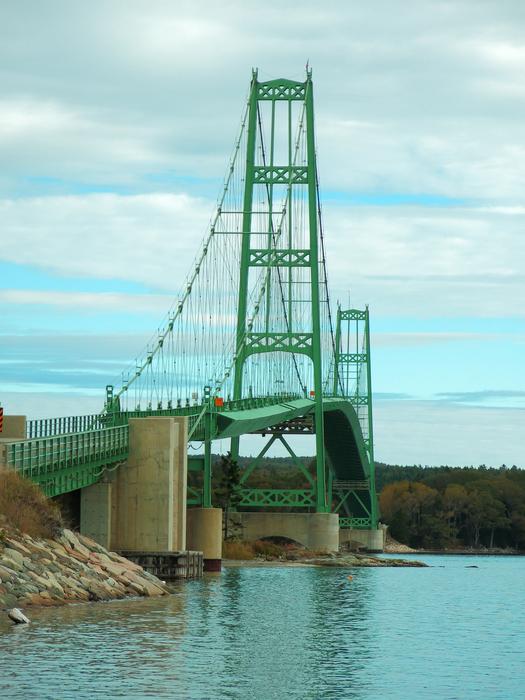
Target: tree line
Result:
[428, 507]
[450, 507]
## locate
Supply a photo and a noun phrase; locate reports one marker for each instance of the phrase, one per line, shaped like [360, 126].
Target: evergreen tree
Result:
[228, 493]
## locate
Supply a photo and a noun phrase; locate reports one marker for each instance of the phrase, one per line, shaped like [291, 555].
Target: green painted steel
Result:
[44, 427]
[44, 458]
[280, 308]
[65, 463]
[353, 382]
[356, 523]
[278, 254]
[277, 498]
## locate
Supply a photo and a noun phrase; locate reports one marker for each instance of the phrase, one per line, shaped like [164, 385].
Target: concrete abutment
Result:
[14, 428]
[95, 512]
[319, 531]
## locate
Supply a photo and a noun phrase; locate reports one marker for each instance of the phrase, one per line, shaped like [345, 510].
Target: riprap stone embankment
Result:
[71, 568]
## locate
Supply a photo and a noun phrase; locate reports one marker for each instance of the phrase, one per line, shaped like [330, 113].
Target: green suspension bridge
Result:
[251, 345]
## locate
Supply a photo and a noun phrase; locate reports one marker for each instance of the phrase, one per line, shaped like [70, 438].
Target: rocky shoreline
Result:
[392, 546]
[70, 568]
[334, 560]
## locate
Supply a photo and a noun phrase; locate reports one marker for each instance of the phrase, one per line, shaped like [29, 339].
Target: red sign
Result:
[219, 401]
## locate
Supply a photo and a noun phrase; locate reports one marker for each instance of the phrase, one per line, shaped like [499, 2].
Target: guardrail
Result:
[48, 427]
[70, 452]
[76, 458]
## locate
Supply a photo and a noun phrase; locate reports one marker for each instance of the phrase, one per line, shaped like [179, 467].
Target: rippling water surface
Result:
[308, 633]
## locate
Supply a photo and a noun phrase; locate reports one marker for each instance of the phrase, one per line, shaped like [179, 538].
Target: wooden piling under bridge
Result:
[169, 566]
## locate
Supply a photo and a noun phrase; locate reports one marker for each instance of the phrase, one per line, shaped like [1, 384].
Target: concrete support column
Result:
[205, 535]
[95, 512]
[14, 428]
[323, 532]
[371, 540]
[150, 490]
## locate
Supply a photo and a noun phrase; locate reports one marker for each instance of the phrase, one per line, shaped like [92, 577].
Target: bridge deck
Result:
[66, 462]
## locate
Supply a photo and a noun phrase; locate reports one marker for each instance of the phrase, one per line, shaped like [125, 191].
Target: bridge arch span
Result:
[312, 530]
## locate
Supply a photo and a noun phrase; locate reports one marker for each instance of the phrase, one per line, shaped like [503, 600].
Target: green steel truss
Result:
[353, 381]
[277, 498]
[282, 254]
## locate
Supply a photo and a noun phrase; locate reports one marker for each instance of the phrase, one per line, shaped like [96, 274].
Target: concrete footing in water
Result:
[204, 534]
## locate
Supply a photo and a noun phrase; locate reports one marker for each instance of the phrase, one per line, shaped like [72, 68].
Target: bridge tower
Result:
[284, 242]
[353, 381]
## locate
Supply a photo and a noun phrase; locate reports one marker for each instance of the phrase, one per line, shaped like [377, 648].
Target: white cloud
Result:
[133, 97]
[400, 259]
[411, 260]
[417, 338]
[430, 433]
[89, 301]
[50, 138]
[149, 238]
[148, 86]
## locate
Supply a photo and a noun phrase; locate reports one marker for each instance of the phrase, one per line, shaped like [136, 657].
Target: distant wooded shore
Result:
[444, 509]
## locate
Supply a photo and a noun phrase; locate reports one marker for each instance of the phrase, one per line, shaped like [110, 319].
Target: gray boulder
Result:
[17, 616]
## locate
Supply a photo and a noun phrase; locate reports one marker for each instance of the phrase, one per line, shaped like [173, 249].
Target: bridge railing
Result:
[41, 457]
[48, 427]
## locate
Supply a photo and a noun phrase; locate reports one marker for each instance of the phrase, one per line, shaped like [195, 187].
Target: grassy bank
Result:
[24, 507]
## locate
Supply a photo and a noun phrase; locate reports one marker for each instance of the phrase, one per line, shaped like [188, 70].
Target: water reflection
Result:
[341, 632]
[296, 633]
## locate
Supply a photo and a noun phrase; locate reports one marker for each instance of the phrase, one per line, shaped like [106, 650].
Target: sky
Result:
[117, 120]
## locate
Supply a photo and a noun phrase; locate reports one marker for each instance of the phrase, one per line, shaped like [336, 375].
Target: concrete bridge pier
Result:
[371, 540]
[141, 507]
[204, 535]
[13, 430]
[96, 505]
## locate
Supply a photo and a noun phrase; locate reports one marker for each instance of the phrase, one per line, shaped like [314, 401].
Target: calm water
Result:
[444, 632]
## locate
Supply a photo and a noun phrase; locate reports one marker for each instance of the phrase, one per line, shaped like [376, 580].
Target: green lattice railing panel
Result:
[45, 427]
[67, 462]
[355, 523]
[270, 257]
[194, 496]
[277, 498]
